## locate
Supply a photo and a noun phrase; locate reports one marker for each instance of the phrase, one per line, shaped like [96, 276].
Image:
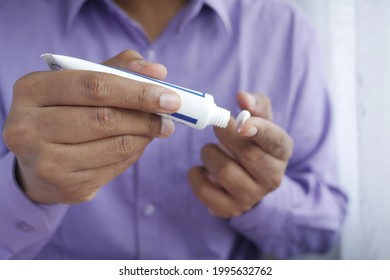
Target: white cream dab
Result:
[242, 117]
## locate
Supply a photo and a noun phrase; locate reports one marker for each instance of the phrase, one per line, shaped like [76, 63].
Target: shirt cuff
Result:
[265, 223]
[23, 222]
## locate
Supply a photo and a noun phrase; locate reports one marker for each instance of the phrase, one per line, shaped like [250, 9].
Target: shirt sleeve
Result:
[24, 226]
[306, 212]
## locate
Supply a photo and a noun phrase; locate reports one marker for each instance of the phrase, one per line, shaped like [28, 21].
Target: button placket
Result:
[150, 54]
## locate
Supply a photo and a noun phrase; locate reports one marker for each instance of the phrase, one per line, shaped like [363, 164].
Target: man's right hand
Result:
[74, 131]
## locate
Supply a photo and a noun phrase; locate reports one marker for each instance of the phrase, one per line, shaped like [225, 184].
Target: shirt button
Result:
[149, 209]
[22, 226]
[150, 55]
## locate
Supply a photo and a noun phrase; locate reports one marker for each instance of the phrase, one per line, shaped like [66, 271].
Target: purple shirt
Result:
[149, 212]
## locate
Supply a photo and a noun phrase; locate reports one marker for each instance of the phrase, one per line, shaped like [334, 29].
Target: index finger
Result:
[271, 138]
[88, 88]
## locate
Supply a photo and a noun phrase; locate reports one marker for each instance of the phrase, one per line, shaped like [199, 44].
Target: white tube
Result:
[197, 110]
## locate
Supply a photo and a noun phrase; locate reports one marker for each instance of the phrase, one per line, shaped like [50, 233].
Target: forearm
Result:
[24, 226]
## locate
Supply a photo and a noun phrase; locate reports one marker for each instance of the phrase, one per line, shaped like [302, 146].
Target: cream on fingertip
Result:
[242, 117]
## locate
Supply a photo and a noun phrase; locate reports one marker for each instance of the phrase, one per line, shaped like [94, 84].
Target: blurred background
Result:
[355, 39]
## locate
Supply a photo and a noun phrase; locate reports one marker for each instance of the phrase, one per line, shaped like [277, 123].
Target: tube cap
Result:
[221, 117]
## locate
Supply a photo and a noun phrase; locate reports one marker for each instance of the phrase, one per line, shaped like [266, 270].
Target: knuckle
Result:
[274, 181]
[142, 92]
[280, 146]
[30, 86]
[49, 163]
[123, 145]
[15, 134]
[105, 117]
[252, 154]
[23, 84]
[59, 156]
[96, 88]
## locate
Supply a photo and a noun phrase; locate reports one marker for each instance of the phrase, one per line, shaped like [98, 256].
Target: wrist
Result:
[26, 186]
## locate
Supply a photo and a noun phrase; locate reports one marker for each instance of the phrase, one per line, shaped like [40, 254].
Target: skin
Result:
[74, 131]
[249, 164]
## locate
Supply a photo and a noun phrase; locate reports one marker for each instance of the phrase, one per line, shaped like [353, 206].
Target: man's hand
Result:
[74, 131]
[249, 164]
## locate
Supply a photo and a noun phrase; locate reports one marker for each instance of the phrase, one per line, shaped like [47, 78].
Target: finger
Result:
[132, 61]
[242, 117]
[100, 176]
[105, 152]
[272, 139]
[265, 169]
[88, 88]
[76, 186]
[269, 137]
[257, 104]
[216, 199]
[82, 185]
[230, 175]
[94, 154]
[76, 124]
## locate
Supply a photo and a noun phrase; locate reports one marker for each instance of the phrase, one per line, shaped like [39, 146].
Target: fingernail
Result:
[170, 101]
[167, 127]
[250, 132]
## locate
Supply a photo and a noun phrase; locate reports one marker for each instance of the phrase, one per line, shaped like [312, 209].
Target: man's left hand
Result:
[250, 162]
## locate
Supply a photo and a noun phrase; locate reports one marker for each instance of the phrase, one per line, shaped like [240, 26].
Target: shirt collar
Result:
[73, 7]
[220, 7]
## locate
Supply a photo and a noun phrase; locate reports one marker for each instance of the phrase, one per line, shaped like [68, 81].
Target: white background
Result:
[355, 37]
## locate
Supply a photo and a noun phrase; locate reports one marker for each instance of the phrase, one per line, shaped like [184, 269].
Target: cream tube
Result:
[197, 110]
